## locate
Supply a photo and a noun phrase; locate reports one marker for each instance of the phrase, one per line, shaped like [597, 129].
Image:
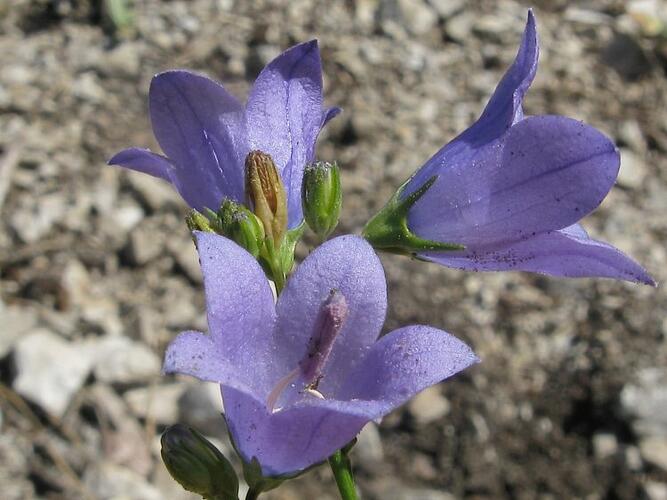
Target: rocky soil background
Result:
[98, 272]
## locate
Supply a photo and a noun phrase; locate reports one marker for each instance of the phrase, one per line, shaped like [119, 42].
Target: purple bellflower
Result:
[302, 376]
[207, 133]
[507, 193]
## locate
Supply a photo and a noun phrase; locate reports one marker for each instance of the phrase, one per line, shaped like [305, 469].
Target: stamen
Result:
[279, 388]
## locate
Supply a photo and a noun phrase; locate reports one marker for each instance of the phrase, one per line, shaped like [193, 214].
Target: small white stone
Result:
[369, 445]
[429, 405]
[632, 171]
[123, 361]
[655, 490]
[159, 402]
[15, 321]
[654, 451]
[113, 482]
[605, 445]
[50, 370]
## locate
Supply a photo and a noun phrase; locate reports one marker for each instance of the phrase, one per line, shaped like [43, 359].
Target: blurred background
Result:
[98, 272]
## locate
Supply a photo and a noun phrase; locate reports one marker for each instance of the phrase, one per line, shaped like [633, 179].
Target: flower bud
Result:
[322, 197]
[197, 465]
[266, 194]
[239, 224]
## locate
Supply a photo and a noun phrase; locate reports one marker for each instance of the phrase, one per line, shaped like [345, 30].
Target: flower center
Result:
[309, 372]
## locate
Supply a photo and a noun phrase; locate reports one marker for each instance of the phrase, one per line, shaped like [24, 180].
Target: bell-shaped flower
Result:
[302, 376]
[507, 193]
[207, 134]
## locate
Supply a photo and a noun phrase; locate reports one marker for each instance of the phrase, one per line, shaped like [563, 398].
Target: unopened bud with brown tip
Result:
[266, 194]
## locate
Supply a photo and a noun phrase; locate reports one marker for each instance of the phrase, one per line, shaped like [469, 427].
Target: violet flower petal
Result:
[403, 363]
[505, 106]
[347, 264]
[201, 128]
[145, 161]
[397, 367]
[503, 110]
[285, 115]
[546, 174]
[289, 440]
[240, 309]
[197, 355]
[568, 252]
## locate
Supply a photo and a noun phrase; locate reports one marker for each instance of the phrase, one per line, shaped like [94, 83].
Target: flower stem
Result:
[342, 471]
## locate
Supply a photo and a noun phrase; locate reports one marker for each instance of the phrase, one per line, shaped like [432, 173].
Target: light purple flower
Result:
[511, 189]
[300, 378]
[207, 133]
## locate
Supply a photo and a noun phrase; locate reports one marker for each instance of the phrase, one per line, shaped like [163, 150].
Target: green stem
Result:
[342, 471]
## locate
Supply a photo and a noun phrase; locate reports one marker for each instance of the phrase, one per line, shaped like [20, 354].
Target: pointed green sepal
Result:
[252, 473]
[197, 465]
[388, 230]
[197, 221]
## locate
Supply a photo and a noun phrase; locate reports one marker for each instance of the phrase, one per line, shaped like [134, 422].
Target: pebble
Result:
[36, 218]
[447, 8]
[200, 406]
[145, 244]
[415, 16]
[120, 360]
[459, 27]
[646, 402]
[185, 254]
[123, 60]
[15, 322]
[429, 406]
[633, 170]
[159, 402]
[155, 193]
[50, 370]
[605, 445]
[655, 490]
[654, 451]
[114, 482]
[368, 450]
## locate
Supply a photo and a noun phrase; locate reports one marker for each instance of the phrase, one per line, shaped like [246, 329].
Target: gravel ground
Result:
[98, 272]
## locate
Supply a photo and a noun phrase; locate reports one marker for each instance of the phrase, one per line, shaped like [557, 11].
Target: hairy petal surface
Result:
[145, 161]
[291, 439]
[201, 128]
[503, 110]
[285, 115]
[196, 354]
[546, 174]
[568, 252]
[240, 308]
[403, 363]
[347, 264]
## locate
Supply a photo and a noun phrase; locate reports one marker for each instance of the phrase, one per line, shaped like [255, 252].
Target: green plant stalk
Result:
[342, 471]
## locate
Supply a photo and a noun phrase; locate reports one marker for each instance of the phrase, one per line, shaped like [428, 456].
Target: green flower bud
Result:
[321, 197]
[266, 194]
[239, 224]
[197, 465]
